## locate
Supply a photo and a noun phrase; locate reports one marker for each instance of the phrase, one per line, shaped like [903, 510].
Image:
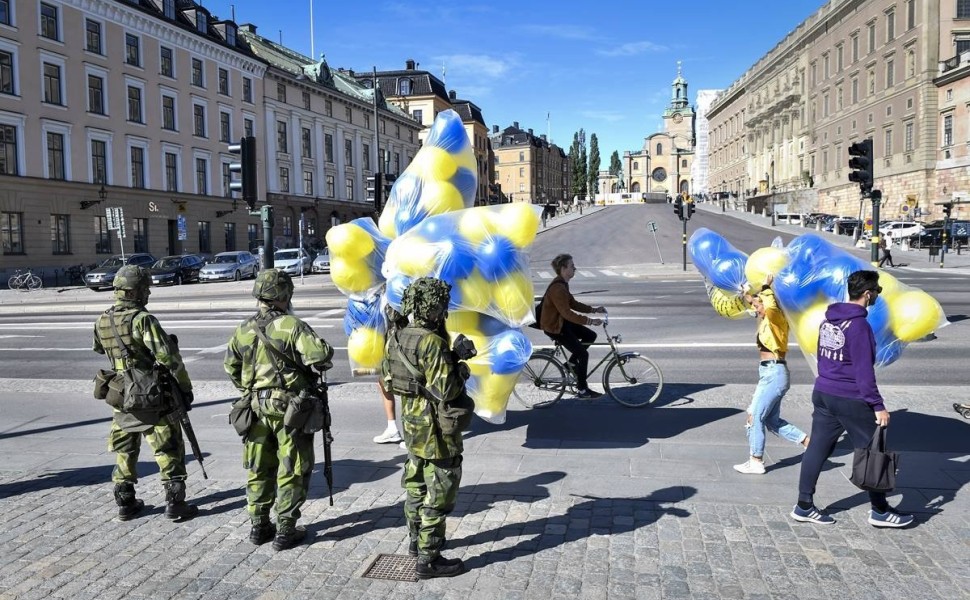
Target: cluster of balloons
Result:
[429, 228]
[809, 275]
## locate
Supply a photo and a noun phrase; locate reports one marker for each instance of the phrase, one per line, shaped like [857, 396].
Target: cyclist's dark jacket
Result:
[558, 304]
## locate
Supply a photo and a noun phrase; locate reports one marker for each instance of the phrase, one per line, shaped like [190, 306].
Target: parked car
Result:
[845, 226]
[294, 261]
[897, 230]
[230, 265]
[104, 275]
[789, 218]
[321, 264]
[933, 236]
[176, 270]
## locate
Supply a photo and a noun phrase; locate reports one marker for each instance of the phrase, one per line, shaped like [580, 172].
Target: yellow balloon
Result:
[466, 158]
[349, 241]
[386, 224]
[806, 327]
[513, 296]
[728, 304]
[518, 222]
[434, 164]
[476, 225]
[365, 347]
[439, 197]
[479, 367]
[462, 321]
[476, 293]
[914, 315]
[493, 393]
[353, 276]
[413, 256]
[763, 262]
[889, 284]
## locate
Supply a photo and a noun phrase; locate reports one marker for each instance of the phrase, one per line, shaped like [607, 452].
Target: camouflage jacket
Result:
[251, 366]
[432, 356]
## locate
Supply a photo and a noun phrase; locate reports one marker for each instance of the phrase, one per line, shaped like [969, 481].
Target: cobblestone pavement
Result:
[617, 514]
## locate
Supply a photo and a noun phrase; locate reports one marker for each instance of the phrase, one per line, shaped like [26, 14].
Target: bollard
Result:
[904, 245]
[818, 225]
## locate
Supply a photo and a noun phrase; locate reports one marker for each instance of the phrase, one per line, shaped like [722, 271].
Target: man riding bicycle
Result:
[559, 319]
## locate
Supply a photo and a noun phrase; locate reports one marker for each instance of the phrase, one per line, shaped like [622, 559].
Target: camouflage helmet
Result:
[272, 285]
[132, 277]
[425, 297]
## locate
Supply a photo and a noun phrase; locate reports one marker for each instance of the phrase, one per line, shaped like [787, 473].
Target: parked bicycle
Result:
[24, 281]
[628, 377]
[75, 274]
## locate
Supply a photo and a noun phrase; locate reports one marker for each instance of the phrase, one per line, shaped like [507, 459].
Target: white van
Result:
[789, 218]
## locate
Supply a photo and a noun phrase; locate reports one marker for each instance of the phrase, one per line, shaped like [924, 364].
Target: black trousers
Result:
[576, 339]
[832, 416]
[886, 256]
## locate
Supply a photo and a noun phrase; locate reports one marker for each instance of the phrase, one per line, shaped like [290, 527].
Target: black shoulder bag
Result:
[874, 468]
[141, 389]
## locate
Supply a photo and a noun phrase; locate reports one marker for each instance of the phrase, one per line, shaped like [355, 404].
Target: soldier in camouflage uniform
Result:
[279, 461]
[148, 344]
[432, 471]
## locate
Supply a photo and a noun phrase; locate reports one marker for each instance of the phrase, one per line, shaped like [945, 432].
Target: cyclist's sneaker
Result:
[389, 436]
[588, 394]
[751, 467]
[403, 446]
[811, 515]
[890, 518]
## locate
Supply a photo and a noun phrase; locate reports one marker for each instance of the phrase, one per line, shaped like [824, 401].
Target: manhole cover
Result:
[396, 567]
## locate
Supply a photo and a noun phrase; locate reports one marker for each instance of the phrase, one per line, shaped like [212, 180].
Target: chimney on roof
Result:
[530, 131]
[515, 124]
[248, 28]
[543, 136]
[494, 128]
[452, 95]
[350, 72]
[409, 64]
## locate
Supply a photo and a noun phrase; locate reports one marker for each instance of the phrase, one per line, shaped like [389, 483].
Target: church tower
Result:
[679, 115]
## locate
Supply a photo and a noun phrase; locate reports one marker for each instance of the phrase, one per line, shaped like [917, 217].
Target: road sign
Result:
[652, 226]
[116, 218]
[183, 231]
[905, 208]
[868, 225]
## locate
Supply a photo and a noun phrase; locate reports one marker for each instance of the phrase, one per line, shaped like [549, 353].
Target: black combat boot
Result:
[262, 533]
[413, 547]
[288, 536]
[439, 567]
[177, 508]
[128, 505]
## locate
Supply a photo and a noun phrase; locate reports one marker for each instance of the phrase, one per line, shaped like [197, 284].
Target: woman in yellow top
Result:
[773, 382]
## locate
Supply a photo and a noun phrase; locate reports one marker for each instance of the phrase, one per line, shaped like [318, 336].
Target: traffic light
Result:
[375, 190]
[388, 182]
[690, 208]
[947, 210]
[246, 167]
[679, 207]
[861, 163]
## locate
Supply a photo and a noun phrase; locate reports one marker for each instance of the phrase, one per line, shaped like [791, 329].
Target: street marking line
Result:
[630, 301]
[610, 273]
[214, 350]
[587, 273]
[544, 274]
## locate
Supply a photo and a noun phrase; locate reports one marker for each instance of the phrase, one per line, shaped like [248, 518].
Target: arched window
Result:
[635, 187]
[636, 166]
[660, 149]
[404, 87]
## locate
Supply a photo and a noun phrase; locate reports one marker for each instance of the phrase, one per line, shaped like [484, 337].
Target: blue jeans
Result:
[765, 409]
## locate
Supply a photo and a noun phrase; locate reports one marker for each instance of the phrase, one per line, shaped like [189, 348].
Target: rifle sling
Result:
[418, 376]
[279, 355]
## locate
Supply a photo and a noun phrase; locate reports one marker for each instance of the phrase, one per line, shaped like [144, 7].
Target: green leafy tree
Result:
[616, 167]
[583, 171]
[576, 183]
[594, 164]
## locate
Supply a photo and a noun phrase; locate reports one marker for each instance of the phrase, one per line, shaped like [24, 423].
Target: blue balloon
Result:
[407, 217]
[509, 351]
[435, 229]
[394, 292]
[878, 318]
[810, 252]
[727, 270]
[457, 260]
[795, 290]
[467, 183]
[888, 352]
[448, 133]
[490, 326]
[834, 275]
[497, 257]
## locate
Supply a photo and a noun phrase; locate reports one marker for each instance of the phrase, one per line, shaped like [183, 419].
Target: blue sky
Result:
[602, 66]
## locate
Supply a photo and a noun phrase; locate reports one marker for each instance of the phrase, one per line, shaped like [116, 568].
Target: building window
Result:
[223, 82]
[839, 56]
[963, 9]
[331, 187]
[281, 92]
[137, 167]
[890, 26]
[328, 147]
[306, 100]
[167, 62]
[890, 73]
[252, 233]
[872, 38]
[205, 237]
[226, 180]
[52, 84]
[201, 176]
[855, 90]
[282, 144]
[55, 155]
[132, 50]
[404, 87]
[349, 188]
[287, 226]
[348, 153]
[307, 183]
[418, 116]
[248, 127]
[328, 108]
[366, 121]
[284, 179]
[102, 236]
[95, 95]
[838, 98]
[910, 63]
[61, 234]
[366, 157]
[198, 74]
[6, 73]
[140, 228]
[48, 21]
[225, 130]
[521, 156]
[99, 161]
[825, 105]
[855, 47]
[202, 22]
[171, 172]
[168, 9]
[12, 232]
[911, 12]
[305, 142]
[230, 231]
[134, 104]
[5, 12]
[198, 116]
[948, 130]
[825, 69]
[889, 143]
[92, 36]
[908, 137]
[168, 113]
[247, 89]
[349, 114]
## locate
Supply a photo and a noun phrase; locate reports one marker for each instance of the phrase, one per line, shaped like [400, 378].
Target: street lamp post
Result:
[723, 191]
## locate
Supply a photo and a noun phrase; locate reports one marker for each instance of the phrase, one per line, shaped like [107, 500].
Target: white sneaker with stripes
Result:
[890, 518]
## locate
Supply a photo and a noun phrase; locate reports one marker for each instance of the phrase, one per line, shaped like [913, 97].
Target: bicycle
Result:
[24, 281]
[75, 274]
[629, 378]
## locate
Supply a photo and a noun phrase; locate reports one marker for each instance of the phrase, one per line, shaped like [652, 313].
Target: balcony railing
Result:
[955, 62]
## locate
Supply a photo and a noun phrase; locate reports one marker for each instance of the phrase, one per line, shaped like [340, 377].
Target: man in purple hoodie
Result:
[846, 398]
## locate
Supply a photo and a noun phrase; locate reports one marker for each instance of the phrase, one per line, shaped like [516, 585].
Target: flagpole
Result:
[312, 52]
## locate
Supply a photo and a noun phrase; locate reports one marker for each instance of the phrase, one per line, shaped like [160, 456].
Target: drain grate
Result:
[395, 567]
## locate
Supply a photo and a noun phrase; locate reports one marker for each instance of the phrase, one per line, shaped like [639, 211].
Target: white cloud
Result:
[566, 32]
[632, 49]
[478, 65]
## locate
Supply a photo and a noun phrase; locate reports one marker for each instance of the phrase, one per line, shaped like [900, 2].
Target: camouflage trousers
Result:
[279, 466]
[431, 486]
[165, 440]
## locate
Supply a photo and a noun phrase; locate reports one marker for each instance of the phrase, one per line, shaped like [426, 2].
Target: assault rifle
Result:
[180, 409]
[321, 392]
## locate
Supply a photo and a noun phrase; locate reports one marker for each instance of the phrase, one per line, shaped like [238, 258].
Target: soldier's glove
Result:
[464, 371]
[189, 398]
[174, 339]
[324, 366]
[464, 348]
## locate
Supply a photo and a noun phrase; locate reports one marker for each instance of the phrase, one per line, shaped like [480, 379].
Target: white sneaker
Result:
[403, 446]
[390, 436]
[751, 467]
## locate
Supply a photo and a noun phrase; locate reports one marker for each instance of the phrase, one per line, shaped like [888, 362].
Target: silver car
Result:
[294, 261]
[230, 266]
[321, 264]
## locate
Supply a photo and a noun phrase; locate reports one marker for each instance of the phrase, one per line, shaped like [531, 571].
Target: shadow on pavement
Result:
[70, 478]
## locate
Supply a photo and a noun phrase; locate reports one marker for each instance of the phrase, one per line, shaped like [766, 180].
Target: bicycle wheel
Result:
[541, 383]
[34, 283]
[633, 380]
[14, 282]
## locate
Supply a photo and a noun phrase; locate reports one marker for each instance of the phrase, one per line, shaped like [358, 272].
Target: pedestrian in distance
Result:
[885, 243]
[390, 435]
[846, 398]
[275, 359]
[764, 413]
[559, 318]
[139, 349]
[426, 374]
